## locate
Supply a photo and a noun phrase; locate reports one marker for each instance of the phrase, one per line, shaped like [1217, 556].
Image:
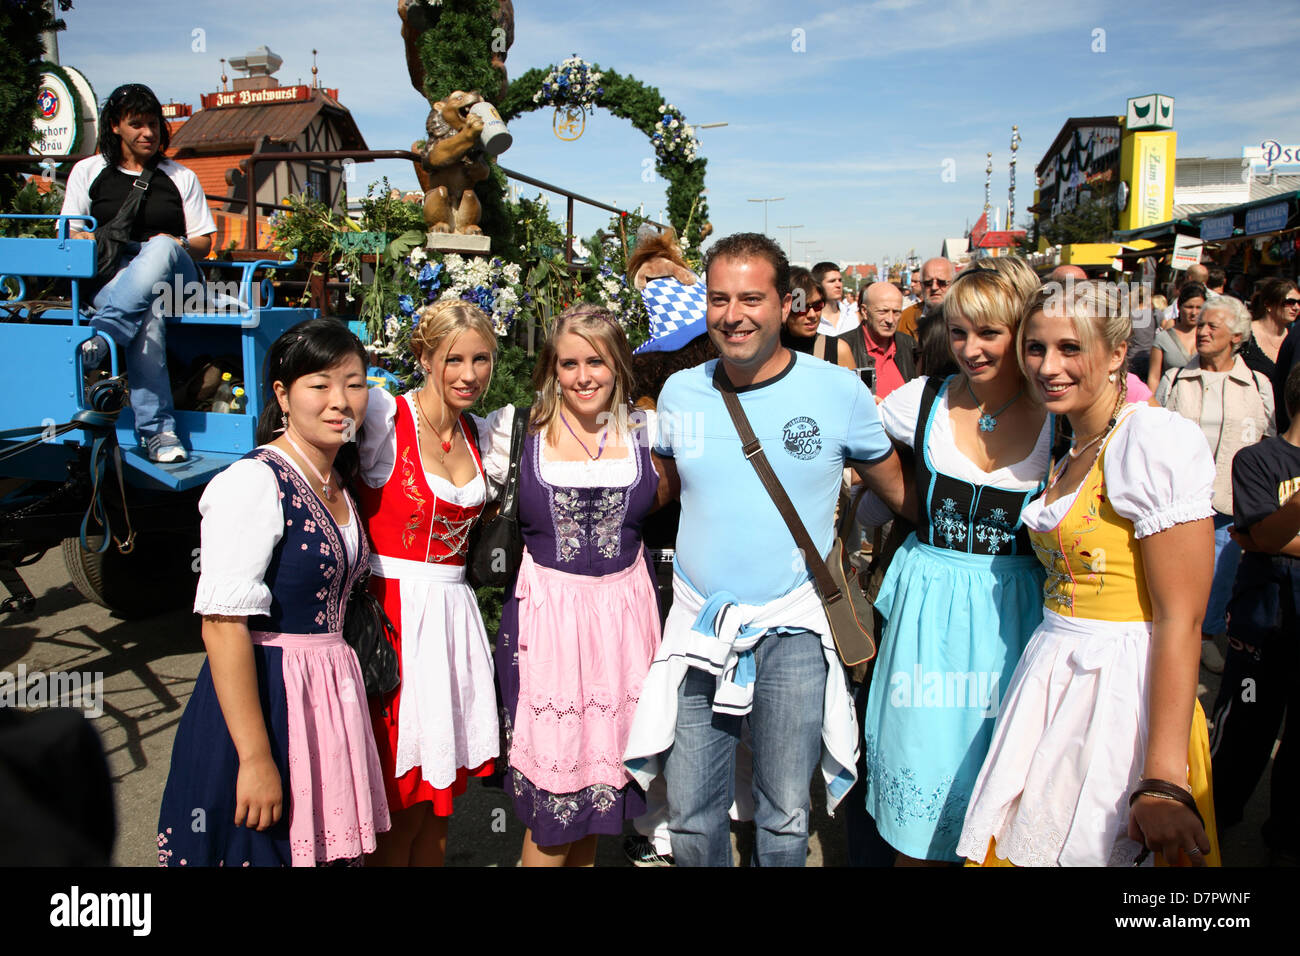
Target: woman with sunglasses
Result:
[172, 228]
[1274, 308]
[800, 329]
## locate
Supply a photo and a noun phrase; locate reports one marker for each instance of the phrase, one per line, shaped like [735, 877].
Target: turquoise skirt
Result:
[956, 625]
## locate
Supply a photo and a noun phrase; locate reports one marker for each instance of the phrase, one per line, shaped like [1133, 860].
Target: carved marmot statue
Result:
[452, 161]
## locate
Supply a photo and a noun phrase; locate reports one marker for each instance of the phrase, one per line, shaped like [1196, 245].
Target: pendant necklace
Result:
[989, 420]
[446, 445]
[325, 489]
[603, 436]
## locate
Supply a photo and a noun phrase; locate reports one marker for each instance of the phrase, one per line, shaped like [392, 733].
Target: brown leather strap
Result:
[754, 453]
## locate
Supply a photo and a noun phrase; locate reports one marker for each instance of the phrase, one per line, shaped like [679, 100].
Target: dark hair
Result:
[933, 353]
[308, 347]
[1291, 392]
[751, 245]
[1270, 294]
[1216, 278]
[819, 271]
[1192, 290]
[652, 369]
[131, 99]
[801, 278]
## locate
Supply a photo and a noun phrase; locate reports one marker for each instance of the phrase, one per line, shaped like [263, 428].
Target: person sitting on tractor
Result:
[172, 228]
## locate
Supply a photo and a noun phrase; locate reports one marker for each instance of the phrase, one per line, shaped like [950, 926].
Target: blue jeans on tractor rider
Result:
[786, 724]
[132, 314]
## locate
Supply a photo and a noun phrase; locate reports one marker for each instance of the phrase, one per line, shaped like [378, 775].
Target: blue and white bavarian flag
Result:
[676, 313]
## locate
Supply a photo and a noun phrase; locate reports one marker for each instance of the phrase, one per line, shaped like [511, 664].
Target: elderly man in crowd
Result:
[878, 344]
[936, 277]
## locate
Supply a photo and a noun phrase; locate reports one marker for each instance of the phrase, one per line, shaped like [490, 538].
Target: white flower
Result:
[418, 255]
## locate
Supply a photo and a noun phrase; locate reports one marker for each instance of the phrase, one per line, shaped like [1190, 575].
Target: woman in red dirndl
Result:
[422, 487]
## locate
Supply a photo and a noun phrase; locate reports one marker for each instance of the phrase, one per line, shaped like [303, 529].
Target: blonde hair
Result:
[990, 295]
[598, 328]
[440, 325]
[1021, 274]
[1098, 311]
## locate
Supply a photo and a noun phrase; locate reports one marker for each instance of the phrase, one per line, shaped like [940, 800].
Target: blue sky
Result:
[853, 130]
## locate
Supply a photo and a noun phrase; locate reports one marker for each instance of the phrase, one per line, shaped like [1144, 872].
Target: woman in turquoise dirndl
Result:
[964, 592]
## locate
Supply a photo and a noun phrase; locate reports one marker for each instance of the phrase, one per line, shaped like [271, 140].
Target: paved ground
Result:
[148, 672]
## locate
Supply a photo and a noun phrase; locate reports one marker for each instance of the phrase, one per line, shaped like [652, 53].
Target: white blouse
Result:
[242, 523]
[378, 447]
[602, 473]
[899, 413]
[1158, 472]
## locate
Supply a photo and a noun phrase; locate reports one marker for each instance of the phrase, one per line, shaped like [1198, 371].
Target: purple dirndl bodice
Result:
[590, 531]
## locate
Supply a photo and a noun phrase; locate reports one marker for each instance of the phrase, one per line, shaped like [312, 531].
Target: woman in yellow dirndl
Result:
[1090, 763]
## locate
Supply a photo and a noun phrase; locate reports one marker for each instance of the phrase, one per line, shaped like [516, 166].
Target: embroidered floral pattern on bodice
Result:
[588, 516]
[411, 487]
[949, 523]
[995, 530]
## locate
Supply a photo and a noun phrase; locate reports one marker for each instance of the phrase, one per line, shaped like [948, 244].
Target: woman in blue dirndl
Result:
[964, 592]
[274, 762]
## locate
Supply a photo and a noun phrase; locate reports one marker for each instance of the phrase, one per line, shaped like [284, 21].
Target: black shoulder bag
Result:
[112, 236]
[497, 547]
[371, 634]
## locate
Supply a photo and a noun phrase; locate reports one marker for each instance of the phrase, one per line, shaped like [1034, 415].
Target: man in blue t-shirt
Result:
[740, 577]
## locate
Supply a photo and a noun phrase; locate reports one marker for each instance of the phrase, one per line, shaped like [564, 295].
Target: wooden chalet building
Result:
[258, 115]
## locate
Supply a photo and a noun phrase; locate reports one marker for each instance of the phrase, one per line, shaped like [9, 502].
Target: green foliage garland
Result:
[627, 97]
[21, 63]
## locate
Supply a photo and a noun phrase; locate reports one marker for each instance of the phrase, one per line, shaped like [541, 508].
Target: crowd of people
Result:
[1051, 547]
[1061, 500]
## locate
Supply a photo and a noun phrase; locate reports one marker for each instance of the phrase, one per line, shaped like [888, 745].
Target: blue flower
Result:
[406, 304]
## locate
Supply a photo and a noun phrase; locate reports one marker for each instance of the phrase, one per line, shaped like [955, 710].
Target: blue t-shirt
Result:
[811, 419]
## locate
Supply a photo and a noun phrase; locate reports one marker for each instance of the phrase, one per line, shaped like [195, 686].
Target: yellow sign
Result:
[569, 122]
[1147, 166]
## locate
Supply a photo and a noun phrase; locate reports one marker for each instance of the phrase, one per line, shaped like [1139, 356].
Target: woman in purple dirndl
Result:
[581, 624]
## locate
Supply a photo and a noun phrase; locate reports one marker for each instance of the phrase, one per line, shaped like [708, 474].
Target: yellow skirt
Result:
[1199, 777]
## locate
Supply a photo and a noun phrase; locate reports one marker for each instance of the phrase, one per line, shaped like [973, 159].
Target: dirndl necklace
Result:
[446, 445]
[989, 420]
[603, 436]
[325, 489]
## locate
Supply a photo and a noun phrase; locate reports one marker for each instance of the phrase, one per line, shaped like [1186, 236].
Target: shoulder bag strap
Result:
[510, 496]
[754, 453]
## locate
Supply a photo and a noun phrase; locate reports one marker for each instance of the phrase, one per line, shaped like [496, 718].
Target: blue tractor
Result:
[71, 475]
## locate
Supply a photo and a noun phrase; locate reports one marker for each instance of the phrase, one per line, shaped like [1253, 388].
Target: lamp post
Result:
[789, 245]
[807, 252]
[765, 202]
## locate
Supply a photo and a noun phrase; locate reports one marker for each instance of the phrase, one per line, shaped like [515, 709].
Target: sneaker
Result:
[640, 851]
[165, 448]
[1211, 656]
[94, 352]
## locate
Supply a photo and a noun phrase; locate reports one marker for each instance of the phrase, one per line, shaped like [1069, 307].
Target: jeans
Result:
[125, 313]
[785, 722]
[1227, 554]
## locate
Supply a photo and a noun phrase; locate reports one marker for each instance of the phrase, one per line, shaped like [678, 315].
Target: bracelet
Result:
[1166, 791]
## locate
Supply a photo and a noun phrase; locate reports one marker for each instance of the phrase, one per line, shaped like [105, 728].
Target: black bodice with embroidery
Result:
[957, 515]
